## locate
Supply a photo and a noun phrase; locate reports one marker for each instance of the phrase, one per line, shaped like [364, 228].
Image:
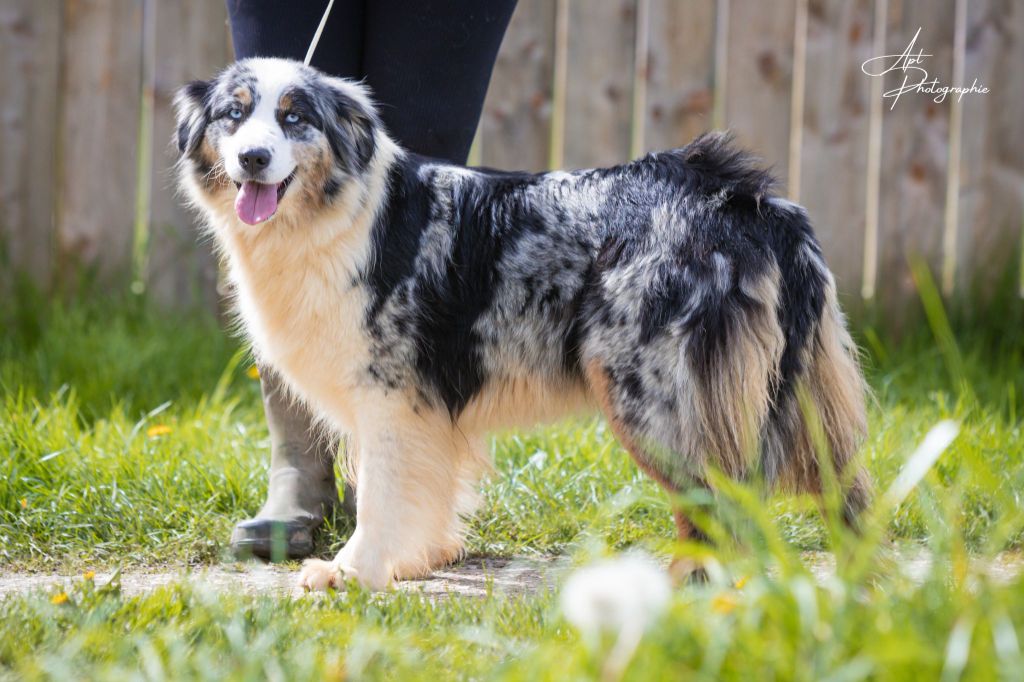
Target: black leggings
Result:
[428, 62]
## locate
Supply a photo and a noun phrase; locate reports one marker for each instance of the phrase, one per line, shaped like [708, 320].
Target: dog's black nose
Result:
[254, 160]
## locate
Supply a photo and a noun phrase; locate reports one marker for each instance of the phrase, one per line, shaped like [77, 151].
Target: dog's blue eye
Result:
[292, 118]
[235, 113]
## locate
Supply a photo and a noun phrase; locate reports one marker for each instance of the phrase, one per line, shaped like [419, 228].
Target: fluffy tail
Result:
[778, 381]
[734, 354]
[818, 415]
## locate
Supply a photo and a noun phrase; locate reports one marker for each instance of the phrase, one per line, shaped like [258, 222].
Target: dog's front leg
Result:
[407, 477]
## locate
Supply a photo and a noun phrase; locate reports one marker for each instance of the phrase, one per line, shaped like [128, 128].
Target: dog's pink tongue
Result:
[255, 202]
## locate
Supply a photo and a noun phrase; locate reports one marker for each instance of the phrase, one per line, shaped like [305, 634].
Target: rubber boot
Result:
[302, 488]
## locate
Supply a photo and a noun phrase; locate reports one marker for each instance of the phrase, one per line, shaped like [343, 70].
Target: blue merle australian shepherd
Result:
[415, 306]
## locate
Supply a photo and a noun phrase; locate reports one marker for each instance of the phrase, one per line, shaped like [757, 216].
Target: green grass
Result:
[87, 483]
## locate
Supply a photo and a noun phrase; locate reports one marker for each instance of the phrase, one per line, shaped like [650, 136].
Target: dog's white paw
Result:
[319, 575]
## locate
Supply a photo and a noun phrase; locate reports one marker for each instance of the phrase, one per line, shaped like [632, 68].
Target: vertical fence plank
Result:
[680, 72]
[760, 73]
[559, 85]
[598, 96]
[915, 148]
[835, 133]
[796, 100]
[992, 168]
[873, 181]
[29, 76]
[641, 64]
[99, 124]
[951, 217]
[180, 271]
[516, 124]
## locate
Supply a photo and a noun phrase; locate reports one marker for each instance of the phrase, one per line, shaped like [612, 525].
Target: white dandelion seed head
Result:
[625, 593]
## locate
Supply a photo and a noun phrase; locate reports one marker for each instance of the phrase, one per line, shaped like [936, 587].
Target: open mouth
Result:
[257, 201]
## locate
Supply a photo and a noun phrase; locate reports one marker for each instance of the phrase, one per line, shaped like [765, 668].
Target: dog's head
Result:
[273, 136]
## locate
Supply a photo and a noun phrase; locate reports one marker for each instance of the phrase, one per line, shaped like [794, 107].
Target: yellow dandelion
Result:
[158, 430]
[253, 372]
[741, 583]
[724, 602]
[59, 598]
[89, 575]
[24, 503]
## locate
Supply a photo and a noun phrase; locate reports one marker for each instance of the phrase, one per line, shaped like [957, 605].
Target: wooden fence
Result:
[85, 124]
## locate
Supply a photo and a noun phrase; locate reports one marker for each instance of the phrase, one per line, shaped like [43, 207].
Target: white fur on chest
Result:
[303, 313]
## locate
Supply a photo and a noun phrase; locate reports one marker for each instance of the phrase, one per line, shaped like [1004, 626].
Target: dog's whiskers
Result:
[218, 172]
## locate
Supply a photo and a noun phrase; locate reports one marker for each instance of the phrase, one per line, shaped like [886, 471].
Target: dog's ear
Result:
[350, 128]
[191, 105]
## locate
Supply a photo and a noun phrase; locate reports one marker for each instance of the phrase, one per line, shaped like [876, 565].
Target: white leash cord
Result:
[319, 32]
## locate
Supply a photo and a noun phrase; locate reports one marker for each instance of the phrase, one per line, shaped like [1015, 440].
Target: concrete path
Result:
[473, 577]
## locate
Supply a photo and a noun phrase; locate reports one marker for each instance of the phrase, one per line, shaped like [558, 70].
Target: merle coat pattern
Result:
[416, 305]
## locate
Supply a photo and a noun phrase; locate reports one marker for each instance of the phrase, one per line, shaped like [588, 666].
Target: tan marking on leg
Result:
[600, 385]
[685, 569]
[682, 568]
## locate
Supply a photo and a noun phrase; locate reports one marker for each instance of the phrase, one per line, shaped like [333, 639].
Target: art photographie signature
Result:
[916, 78]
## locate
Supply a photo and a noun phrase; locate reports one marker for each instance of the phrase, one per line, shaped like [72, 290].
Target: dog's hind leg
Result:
[409, 478]
[604, 391]
[824, 423]
[838, 391]
[687, 384]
